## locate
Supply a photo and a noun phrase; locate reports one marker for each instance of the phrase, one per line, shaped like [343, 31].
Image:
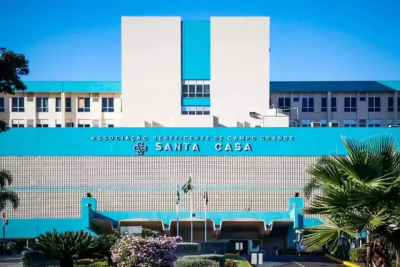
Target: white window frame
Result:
[374, 123]
[84, 122]
[42, 123]
[18, 123]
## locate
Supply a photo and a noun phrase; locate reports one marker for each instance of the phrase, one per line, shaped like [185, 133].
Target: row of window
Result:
[20, 123]
[196, 90]
[351, 123]
[350, 104]
[195, 110]
[42, 104]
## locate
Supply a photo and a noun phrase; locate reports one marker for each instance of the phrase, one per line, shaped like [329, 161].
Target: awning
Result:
[280, 224]
[184, 223]
[228, 227]
[103, 226]
[151, 224]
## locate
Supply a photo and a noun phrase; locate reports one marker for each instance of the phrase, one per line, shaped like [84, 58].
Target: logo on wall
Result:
[140, 148]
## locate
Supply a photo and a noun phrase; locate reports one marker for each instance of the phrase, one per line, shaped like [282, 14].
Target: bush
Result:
[231, 264]
[213, 247]
[214, 257]
[93, 264]
[104, 243]
[133, 250]
[195, 263]
[186, 249]
[31, 258]
[358, 255]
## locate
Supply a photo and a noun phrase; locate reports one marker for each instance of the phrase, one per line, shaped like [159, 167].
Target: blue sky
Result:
[78, 40]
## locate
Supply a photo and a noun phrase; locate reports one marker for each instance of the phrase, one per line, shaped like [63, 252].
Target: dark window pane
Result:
[184, 88]
[287, 102]
[304, 102]
[103, 102]
[370, 102]
[377, 102]
[311, 102]
[324, 102]
[87, 102]
[280, 102]
[353, 102]
[347, 102]
[21, 102]
[390, 101]
[111, 102]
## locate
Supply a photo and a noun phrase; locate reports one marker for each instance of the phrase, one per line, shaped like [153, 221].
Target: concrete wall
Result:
[239, 68]
[151, 70]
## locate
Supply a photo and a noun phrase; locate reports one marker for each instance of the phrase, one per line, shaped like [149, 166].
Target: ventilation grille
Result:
[95, 97]
[29, 97]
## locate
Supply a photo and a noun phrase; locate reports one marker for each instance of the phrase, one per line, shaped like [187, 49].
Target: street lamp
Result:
[5, 222]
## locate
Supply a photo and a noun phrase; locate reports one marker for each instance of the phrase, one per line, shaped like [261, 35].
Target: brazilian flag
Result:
[188, 186]
[178, 195]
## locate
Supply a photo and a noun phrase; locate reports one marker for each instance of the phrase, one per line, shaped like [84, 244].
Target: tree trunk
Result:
[367, 241]
[67, 263]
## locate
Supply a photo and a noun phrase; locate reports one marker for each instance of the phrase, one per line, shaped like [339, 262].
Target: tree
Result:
[7, 195]
[67, 246]
[12, 67]
[360, 193]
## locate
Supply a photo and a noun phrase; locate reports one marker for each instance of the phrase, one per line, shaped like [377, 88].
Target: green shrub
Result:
[93, 264]
[214, 257]
[104, 243]
[213, 247]
[195, 263]
[186, 249]
[84, 262]
[231, 264]
[31, 258]
[358, 255]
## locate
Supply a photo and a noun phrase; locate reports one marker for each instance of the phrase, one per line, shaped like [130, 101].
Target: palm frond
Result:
[6, 178]
[8, 196]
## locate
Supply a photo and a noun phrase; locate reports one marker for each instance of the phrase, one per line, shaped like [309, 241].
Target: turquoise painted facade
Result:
[180, 141]
[205, 102]
[196, 49]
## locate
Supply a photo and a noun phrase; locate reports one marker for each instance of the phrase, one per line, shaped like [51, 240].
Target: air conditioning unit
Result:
[394, 125]
[95, 97]
[315, 124]
[333, 124]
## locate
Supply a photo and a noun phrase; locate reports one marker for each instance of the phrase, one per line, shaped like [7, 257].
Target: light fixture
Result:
[297, 194]
[88, 195]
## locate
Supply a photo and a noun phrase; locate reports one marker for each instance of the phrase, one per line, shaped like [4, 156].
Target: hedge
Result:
[214, 257]
[196, 263]
[213, 247]
[183, 249]
[358, 255]
[31, 258]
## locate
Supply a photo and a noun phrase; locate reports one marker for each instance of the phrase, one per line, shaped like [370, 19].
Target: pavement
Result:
[299, 261]
[10, 261]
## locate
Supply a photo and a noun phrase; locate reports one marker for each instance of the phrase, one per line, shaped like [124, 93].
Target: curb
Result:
[347, 263]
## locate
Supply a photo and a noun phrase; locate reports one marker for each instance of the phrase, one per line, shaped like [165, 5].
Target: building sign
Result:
[185, 143]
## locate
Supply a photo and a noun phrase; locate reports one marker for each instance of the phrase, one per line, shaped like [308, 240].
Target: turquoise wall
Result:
[196, 47]
[73, 87]
[190, 141]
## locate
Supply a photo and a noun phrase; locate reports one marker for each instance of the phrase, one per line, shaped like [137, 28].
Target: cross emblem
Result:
[140, 148]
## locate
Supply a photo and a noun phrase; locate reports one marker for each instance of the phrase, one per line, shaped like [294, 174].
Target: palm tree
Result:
[7, 195]
[359, 193]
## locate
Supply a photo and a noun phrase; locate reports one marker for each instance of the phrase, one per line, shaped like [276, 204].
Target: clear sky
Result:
[78, 40]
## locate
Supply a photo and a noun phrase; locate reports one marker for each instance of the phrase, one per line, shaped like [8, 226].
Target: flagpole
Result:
[177, 212]
[191, 211]
[205, 217]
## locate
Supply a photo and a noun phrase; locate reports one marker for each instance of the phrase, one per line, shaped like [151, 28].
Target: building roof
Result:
[275, 87]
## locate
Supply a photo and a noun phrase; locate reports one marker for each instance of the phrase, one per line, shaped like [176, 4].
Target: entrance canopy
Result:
[157, 225]
[103, 226]
[242, 229]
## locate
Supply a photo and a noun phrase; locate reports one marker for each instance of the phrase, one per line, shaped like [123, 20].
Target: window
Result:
[42, 123]
[185, 92]
[324, 104]
[206, 90]
[306, 123]
[83, 123]
[333, 104]
[350, 123]
[107, 123]
[2, 107]
[362, 98]
[195, 110]
[107, 104]
[69, 123]
[199, 90]
[68, 107]
[374, 123]
[390, 122]
[374, 104]
[18, 104]
[192, 90]
[307, 104]
[324, 123]
[42, 104]
[296, 99]
[362, 123]
[390, 104]
[350, 104]
[83, 104]
[58, 104]
[58, 123]
[18, 123]
[284, 103]
[398, 103]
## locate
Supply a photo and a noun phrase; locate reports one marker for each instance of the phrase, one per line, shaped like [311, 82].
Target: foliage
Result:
[360, 193]
[149, 233]
[12, 66]
[67, 246]
[229, 263]
[196, 263]
[133, 250]
[90, 263]
[214, 257]
[236, 259]
[32, 258]
[7, 195]
[213, 247]
[104, 242]
[358, 255]
[186, 249]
